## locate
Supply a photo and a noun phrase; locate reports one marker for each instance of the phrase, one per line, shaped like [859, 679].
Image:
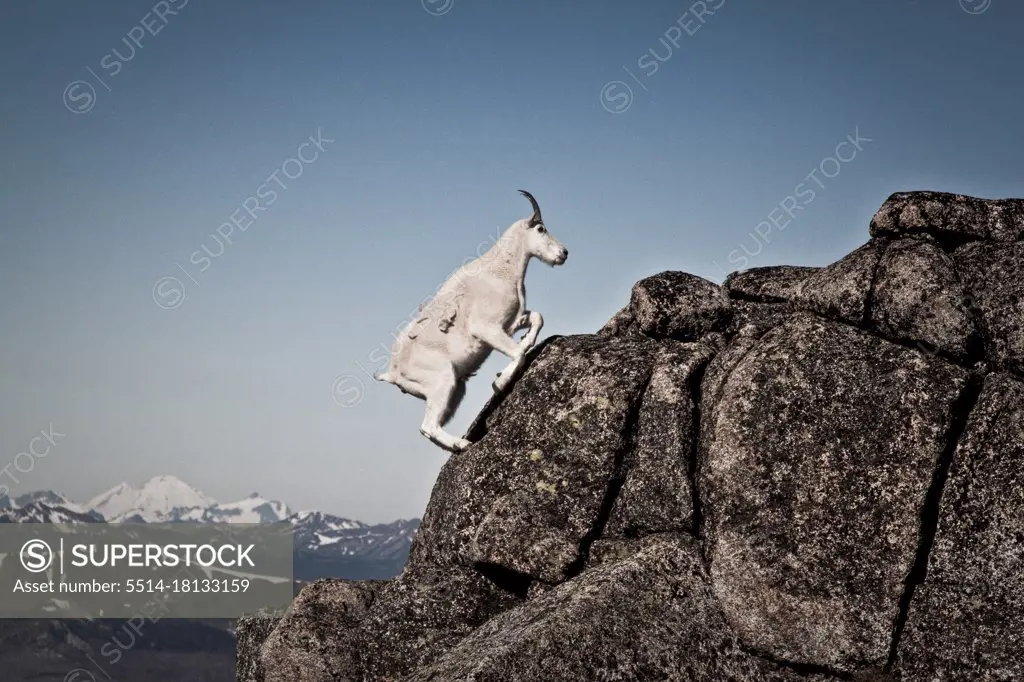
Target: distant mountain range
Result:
[325, 545]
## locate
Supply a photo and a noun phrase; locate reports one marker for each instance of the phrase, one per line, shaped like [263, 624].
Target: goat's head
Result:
[539, 242]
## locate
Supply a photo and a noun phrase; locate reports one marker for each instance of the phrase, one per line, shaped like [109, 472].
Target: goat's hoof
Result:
[460, 445]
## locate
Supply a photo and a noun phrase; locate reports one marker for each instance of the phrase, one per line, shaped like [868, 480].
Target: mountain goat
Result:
[477, 309]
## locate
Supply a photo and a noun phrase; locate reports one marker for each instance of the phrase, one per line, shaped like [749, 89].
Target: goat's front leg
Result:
[499, 340]
[534, 321]
[495, 337]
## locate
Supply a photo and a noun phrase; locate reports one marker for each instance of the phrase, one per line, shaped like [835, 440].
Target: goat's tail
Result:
[384, 376]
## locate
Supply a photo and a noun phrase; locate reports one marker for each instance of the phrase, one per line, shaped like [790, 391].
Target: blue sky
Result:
[436, 113]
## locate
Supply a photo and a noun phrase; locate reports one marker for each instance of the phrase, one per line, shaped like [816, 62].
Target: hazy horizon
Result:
[702, 137]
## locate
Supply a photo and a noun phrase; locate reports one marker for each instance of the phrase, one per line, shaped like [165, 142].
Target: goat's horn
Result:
[535, 218]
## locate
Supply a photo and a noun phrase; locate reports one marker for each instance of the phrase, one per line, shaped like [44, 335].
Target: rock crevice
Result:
[962, 410]
[615, 483]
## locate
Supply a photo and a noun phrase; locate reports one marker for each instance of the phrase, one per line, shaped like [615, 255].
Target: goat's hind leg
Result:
[443, 396]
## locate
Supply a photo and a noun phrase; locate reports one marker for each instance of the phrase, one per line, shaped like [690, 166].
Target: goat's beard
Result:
[550, 261]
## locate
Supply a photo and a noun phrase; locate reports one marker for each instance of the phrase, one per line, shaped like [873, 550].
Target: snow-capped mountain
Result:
[160, 499]
[326, 522]
[48, 498]
[39, 512]
[253, 509]
[320, 532]
[166, 499]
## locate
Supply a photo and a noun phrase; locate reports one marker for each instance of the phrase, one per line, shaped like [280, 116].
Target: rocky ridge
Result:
[801, 474]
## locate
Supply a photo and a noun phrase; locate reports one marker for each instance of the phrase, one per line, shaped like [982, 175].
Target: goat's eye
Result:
[541, 229]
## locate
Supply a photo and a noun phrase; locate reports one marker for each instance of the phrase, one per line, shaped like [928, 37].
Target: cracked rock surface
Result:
[801, 474]
[659, 598]
[789, 474]
[967, 619]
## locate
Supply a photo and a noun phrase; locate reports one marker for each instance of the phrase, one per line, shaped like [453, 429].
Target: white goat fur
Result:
[478, 309]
